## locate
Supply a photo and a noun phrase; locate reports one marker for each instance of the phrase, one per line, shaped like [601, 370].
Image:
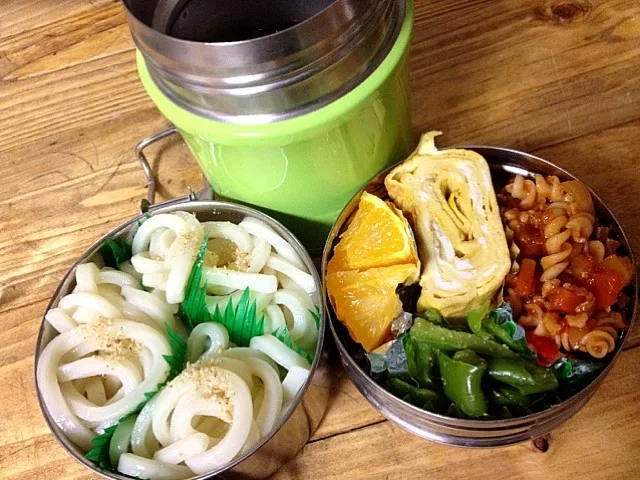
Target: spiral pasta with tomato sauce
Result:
[567, 278]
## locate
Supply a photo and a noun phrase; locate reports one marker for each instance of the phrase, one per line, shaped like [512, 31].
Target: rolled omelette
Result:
[448, 197]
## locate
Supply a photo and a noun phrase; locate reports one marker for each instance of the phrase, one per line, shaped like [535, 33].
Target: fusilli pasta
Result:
[552, 223]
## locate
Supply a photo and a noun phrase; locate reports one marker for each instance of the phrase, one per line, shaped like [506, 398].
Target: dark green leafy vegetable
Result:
[514, 384]
[563, 368]
[455, 412]
[505, 413]
[284, 336]
[99, 454]
[392, 360]
[509, 371]
[577, 370]
[573, 374]
[450, 340]
[461, 382]
[114, 252]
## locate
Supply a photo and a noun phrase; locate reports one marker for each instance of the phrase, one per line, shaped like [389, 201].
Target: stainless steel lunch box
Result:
[295, 429]
[463, 432]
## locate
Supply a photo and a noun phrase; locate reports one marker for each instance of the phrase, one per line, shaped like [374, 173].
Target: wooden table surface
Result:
[561, 79]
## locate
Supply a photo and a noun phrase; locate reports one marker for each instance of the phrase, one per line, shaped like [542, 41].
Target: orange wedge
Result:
[375, 254]
[378, 236]
[366, 302]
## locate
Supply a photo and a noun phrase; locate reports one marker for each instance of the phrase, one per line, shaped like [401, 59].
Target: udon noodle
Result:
[114, 333]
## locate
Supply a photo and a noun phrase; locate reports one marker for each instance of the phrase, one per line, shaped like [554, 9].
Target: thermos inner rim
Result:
[274, 77]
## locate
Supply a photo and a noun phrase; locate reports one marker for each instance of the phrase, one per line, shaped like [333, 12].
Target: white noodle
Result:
[231, 232]
[143, 263]
[241, 280]
[269, 411]
[259, 255]
[59, 320]
[87, 277]
[274, 318]
[90, 301]
[278, 351]
[291, 385]
[304, 331]
[265, 232]
[209, 337]
[164, 220]
[140, 467]
[180, 450]
[301, 278]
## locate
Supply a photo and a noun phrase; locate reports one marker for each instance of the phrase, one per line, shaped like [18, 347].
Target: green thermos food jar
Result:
[287, 105]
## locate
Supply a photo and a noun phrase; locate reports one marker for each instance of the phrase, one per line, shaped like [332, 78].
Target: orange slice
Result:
[366, 302]
[378, 236]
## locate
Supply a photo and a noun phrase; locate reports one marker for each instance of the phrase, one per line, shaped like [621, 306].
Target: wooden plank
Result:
[18, 16]
[68, 41]
[593, 444]
[347, 409]
[524, 74]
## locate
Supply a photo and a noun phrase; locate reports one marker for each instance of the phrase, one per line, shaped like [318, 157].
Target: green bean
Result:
[451, 340]
[502, 394]
[417, 396]
[461, 382]
[544, 380]
[420, 360]
[511, 372]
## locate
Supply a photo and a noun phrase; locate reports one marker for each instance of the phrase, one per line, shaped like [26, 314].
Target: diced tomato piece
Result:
[622, 265]
[564, 301]
[530, 241]
[524, 285]
[545, 347]
[582, 266]
[606, 285]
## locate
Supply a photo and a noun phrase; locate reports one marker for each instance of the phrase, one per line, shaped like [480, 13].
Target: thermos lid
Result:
[256, 61]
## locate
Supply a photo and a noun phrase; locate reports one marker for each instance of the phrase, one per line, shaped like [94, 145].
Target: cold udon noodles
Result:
[112, 375]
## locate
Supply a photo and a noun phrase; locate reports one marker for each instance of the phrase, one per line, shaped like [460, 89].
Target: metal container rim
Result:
[168, 207]
[186, 43]
[497, 423]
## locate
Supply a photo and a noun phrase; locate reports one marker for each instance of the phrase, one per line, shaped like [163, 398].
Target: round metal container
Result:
[249, 62]
[456, 431]
[295, 428]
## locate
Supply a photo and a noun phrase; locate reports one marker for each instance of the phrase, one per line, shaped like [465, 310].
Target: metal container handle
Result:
[147, 204]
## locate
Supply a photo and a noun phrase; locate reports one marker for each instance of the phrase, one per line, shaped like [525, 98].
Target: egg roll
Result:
[449, 199]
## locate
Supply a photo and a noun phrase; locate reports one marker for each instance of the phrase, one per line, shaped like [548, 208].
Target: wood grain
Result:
[561, 78]
[524, 74]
